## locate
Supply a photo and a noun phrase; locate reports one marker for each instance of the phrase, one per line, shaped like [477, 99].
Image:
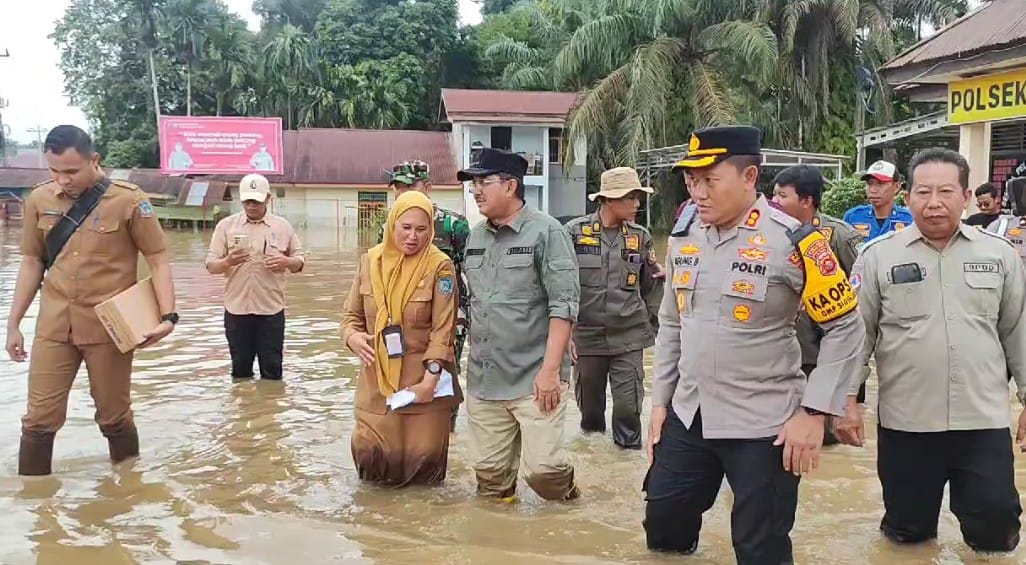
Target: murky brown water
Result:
[261, 472]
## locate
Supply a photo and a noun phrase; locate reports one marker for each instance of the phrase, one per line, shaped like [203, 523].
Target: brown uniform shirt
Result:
[100, 260]
[429, 329]
[251, 287]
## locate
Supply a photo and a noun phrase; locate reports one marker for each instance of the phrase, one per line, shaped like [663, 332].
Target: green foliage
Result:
[489, 7]
[842, 195]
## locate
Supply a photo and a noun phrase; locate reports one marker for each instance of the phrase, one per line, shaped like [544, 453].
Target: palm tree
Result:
[146, 12]
[288, 59]
[230, 50]
[187, 22]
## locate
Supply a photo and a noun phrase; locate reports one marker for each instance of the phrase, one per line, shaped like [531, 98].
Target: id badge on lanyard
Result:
[395, 343]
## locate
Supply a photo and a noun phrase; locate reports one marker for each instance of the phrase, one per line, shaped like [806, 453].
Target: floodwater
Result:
[260, 472]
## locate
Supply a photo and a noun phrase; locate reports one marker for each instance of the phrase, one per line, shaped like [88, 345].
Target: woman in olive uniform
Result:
[400, 319]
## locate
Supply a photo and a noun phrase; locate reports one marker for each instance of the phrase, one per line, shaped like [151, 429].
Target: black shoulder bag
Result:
[72, 220]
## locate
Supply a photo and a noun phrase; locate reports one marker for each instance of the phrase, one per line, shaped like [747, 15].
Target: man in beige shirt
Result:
[944, 305]
[253, 249]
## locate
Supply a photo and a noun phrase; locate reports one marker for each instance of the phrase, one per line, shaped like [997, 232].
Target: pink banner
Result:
[214, 145]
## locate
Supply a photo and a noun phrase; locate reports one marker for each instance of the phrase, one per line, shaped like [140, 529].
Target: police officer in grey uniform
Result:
[728, 393]
[1013, 227]
[620, 293]
[798, 190]
[944, 306]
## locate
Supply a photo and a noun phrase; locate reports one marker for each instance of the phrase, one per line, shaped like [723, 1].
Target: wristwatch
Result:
[172, 317]
[434, 367]
[813, 411]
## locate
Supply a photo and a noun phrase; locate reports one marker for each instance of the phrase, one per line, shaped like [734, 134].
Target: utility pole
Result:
[39, 131]
[3, 129]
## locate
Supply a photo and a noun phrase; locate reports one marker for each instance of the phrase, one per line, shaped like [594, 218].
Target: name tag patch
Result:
[981, 267]
[587, 249]
[520, 251]
[475, 251]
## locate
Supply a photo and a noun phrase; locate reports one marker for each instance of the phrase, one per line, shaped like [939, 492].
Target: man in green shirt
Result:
[524, 299]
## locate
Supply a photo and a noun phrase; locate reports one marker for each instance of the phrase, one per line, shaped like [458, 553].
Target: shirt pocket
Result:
[519, 271]
[100, 237]
[684, 290]
[984, 292]
[744, 299]
[418, 311]
[907, 301]
[591, 270]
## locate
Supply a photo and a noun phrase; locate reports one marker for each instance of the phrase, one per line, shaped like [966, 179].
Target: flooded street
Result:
[260, 472]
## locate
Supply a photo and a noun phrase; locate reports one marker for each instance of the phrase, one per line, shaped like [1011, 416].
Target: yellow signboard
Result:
[987, 98]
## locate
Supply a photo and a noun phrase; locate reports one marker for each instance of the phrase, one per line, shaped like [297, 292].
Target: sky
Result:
[31, 83]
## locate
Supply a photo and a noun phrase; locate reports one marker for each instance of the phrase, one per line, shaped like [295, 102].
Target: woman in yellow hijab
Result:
[400, 320]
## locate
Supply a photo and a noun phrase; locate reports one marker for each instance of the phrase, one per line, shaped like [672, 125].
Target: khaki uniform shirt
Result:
[99, 261]
[727, 340]
[429, 328]
[519, 276]
[251, 287]
[845, 241]
[1013, 229]
[619, 297]
[944, 345]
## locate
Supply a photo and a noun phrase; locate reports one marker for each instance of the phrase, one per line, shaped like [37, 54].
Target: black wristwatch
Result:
[813, 411]
[434, 367]
[172, 317]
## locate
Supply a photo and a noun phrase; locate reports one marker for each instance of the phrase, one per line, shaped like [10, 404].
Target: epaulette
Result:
[783, 219]
[125, 184]
[39, 184]
[797, 234]
[1001, 237]
[576, 221]
[876, 240]
[637, 226]
[687, 217]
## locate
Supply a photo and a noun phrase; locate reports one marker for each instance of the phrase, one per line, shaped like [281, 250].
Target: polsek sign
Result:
[217, 145]
[987, 98]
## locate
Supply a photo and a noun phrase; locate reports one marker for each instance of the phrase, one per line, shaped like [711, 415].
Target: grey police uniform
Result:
[619, 305]
[733, 298]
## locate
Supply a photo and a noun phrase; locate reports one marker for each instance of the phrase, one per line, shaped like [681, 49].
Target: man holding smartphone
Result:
[944, 305]
[254, 249]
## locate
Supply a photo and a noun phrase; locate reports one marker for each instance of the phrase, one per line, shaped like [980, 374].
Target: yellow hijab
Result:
[394, 277]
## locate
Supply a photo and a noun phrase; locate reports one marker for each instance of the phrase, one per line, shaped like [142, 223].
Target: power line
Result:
[39, 131]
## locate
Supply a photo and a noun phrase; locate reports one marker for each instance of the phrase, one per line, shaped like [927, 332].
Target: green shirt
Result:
[519, 275]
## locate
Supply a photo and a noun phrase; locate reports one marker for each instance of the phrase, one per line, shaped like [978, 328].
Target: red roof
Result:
[514, 106]
[20, 177]
[996, 24]
[363, 156]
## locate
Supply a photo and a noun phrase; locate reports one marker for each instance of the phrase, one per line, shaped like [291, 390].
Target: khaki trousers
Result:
[504, 433]
[52, 369]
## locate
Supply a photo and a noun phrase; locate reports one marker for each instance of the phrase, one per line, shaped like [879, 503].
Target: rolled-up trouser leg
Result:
[547, 469]
[110, 384]
[52, 369]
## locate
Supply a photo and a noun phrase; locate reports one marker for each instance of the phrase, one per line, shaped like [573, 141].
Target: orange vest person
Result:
[81, 243]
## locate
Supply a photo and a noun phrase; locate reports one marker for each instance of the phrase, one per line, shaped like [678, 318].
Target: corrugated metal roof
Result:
[18, 177]
[469, 105]
[995, 24]
[150, 180]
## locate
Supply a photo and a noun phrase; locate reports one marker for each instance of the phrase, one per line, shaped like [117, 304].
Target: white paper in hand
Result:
[406, 397]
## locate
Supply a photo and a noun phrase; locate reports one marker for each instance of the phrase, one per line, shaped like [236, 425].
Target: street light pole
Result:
[39, 131]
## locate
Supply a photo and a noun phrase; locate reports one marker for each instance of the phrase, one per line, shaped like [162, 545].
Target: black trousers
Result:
[625, 374]
[978, 464]
[685, 478]
[254, 336]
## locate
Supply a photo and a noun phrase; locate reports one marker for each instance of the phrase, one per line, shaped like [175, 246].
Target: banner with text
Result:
[987, 98]
[215, 145]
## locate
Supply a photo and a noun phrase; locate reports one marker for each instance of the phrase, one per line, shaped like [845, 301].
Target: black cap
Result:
[491, 161]
[711, 145]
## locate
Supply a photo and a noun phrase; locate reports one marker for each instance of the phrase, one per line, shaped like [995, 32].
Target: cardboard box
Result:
[130, 314]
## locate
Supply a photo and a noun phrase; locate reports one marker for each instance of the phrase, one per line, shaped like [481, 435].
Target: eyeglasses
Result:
[481, 183]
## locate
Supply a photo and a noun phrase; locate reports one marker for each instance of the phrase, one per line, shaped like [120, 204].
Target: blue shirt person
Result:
[881, 215]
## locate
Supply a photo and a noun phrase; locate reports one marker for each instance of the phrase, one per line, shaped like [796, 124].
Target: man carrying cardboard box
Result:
[253, 249]
[84, 232]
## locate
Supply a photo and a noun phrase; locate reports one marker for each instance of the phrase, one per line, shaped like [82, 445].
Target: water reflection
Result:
[261, 472]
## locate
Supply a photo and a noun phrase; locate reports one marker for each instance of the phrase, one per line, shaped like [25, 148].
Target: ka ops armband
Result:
[827, 294]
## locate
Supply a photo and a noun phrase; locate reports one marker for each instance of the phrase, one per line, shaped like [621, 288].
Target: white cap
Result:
[254, 187]
[881, 171]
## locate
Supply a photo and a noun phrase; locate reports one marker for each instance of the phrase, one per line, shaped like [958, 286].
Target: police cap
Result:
[711, 145]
